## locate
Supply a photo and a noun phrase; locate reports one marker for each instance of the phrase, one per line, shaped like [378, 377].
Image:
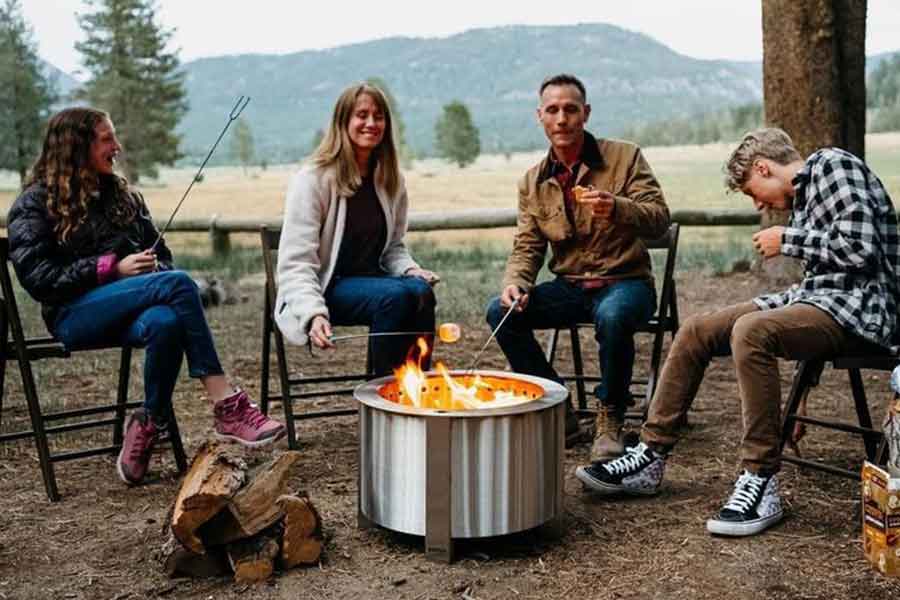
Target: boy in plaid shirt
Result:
[843, 226]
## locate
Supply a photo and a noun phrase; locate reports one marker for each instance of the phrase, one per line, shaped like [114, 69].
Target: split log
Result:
[302, 538]
[214, 477]
[178, 561]
[253, 559]
[253, 508]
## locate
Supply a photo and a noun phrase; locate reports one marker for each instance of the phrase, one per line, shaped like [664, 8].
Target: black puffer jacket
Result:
[55, 273]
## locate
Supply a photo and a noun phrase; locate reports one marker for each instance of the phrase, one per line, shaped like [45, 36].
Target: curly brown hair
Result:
[64, 168]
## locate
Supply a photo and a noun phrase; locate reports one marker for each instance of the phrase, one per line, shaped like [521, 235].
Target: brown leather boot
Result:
[608, 439]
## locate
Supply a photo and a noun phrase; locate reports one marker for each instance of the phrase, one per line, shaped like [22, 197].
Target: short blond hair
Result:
[769, 142]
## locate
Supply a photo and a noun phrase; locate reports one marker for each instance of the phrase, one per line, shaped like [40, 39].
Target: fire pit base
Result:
[449, 475]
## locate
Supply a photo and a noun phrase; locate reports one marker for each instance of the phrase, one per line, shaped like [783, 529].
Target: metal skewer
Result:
[239, 107]
[351, 336]
[493, 333]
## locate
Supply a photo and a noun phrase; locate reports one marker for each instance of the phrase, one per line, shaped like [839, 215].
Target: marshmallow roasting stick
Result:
[447, 333]
[239, 107]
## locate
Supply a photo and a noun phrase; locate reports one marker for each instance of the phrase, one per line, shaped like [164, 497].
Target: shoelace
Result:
[746, 491]
[143, 441]
[247, 412]
[631, 460]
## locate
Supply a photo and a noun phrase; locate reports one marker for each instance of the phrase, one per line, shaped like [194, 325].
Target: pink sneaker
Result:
[134, 458]
[240, 421]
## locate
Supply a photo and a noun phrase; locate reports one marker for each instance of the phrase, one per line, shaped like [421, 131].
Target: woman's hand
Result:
[320, 332]
[430, 277]
[137, 264]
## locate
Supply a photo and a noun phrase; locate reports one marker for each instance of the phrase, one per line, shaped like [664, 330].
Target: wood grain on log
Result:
[302, 539]
[253, 507]
[214, 477]
[253, 559]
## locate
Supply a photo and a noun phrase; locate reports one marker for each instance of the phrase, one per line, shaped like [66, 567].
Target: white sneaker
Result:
[754, 506]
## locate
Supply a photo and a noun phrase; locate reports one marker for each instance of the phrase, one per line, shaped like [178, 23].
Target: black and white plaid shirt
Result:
[843, 226]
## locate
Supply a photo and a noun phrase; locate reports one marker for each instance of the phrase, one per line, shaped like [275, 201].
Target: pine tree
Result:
[242, 147]
[26, 93]
[135, 78]
[456, 137]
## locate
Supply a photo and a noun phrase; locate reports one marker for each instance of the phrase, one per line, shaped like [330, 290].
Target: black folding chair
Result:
[665, 320]
[294, 386]
[27, 350]
[806, 377]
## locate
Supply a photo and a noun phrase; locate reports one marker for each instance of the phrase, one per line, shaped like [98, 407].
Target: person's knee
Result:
[421, 295]
[749, 333]
[494, 312]
[616, 323]
[178, 281]
[163, 325]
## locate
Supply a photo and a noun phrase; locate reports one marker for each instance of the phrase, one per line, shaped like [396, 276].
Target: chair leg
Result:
[37, 424]
[4, 348]
[286, 403]
[266, 356]
[122, 394]
[655, 358]
[862, 413]
[578, 365]
[177, 444]
[806, 376]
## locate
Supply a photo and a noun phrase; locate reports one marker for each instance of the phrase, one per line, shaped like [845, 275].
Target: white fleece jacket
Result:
[314, 217]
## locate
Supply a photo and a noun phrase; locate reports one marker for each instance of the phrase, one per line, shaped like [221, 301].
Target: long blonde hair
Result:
[63, 167]
[336, 148]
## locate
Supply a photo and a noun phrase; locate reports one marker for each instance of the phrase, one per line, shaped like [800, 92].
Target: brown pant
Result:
[755, 339]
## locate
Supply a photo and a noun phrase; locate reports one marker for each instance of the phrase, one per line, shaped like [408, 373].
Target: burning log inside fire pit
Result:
[449, 455]
[228, 519]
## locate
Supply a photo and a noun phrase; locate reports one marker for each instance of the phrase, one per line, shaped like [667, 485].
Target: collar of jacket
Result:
[590, 157]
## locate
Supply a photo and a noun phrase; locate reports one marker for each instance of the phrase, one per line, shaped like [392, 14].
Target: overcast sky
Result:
[729, 29]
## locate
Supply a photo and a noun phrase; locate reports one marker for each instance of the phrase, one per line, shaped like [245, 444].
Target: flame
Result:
[460, 393]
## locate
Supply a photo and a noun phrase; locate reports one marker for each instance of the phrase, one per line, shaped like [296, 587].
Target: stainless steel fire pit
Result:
[458, 474]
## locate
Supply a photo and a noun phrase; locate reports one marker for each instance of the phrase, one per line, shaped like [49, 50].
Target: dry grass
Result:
[100, 540]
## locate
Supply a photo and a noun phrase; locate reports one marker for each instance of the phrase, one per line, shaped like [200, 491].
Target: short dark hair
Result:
[563, 79]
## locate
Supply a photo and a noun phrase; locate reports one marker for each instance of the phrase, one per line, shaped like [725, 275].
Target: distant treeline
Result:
[882, 101]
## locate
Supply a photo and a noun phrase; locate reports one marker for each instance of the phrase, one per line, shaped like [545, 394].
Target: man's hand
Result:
[137, 264]
[430, 277]
[320, 332]
[510, 294]
[768, 241]
[602, 203]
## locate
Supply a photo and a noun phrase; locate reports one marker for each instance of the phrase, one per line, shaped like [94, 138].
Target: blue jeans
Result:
[157, 311]
[384, 304]
[616, 311]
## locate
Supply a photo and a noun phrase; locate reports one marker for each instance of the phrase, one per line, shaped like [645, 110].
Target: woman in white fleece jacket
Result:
[342, 259]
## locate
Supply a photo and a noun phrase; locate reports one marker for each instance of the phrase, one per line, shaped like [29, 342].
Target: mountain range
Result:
[630, 78]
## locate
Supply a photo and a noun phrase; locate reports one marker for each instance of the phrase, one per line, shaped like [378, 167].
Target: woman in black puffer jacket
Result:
[80, 241]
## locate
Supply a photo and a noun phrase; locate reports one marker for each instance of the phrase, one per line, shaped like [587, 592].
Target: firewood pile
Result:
[228, 518]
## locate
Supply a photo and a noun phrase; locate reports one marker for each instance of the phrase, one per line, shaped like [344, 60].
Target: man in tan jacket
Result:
[591, 200]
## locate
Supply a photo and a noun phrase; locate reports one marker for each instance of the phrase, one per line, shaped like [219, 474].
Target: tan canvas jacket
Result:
[593, 248]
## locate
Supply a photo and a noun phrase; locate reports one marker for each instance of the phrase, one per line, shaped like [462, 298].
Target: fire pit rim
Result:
[554, 393]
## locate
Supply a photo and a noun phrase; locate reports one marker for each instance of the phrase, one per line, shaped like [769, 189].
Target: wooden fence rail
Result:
[220, 228]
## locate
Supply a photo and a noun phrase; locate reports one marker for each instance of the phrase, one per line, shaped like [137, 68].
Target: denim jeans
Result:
[157, 311]
[616, 311]
[384, 304]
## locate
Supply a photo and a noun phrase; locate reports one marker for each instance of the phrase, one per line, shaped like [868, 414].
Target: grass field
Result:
[691, 177]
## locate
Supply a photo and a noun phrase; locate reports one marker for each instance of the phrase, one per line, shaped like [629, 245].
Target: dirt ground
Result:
[100, 540]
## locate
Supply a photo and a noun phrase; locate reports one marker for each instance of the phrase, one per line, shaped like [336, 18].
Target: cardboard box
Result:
[881, 519]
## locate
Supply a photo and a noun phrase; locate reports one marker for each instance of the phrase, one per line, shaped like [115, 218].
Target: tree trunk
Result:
[814, 72]
[813, 83]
